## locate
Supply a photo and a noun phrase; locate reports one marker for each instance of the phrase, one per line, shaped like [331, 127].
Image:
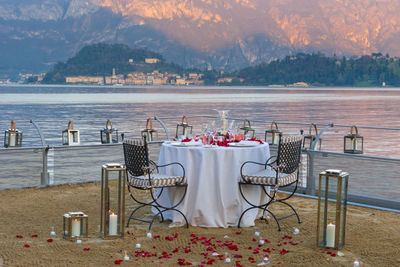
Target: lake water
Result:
[89, 108]
[51, 107]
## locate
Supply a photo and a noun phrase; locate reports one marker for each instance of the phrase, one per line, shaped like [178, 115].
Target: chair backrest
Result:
[136, 156]
[289, 153]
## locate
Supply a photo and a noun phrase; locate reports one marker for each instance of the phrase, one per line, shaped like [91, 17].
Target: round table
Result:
[213, 198]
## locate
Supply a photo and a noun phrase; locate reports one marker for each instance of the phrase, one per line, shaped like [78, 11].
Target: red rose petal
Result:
[34, 235]
[19, 236]
[118, 261]
[27, 246]
[50, 240]
[333, 254]
[238, 233]
[86, 249]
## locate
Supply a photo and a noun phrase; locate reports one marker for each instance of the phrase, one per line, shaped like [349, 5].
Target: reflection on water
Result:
[89, 107]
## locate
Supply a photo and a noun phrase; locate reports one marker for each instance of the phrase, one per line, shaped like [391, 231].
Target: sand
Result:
[373, 236]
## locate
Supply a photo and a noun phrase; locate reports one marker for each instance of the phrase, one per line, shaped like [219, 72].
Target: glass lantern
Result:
[223, 115]
[112, 213]
[75, 225]
[109, 134]
[149, 132]
[310, 138]
[71, 136]
[332, 205]
[247, 130]
[353, 142]
[272, 135]
[183, 129]
[12, 137]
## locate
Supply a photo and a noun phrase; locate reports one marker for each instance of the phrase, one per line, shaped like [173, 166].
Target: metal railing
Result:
[374, 180]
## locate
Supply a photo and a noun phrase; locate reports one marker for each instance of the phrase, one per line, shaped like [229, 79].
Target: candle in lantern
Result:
[149, 235]
[126, 257]
[52, 233]
[275, 139]
[78, 241]
[113, 224]
[356, 263]
[12, 139]
[227, 260]
[296, 231]
[76, 227]
[138, 246]
[261, 242]
[256, 233]
[330, 235]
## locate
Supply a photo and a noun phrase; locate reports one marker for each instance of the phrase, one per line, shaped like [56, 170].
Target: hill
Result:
[100, 60]
[320, 70]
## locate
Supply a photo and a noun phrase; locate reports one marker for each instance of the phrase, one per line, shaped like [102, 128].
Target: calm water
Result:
[128, 107]
[89, 107]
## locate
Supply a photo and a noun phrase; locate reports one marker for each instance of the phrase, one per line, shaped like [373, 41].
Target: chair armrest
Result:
[173, 163]
[249, 162]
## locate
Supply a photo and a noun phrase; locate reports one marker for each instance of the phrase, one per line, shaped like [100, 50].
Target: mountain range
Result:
[218, 34]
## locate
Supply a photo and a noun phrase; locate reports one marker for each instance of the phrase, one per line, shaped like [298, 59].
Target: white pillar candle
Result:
[149, 235]
[76, 227]
[256, 233]
[330, 235]
[356, 263]
[78, 241]
[261, 242]
[138, 246]
[228, 260]
[12, 140]
[112, 230]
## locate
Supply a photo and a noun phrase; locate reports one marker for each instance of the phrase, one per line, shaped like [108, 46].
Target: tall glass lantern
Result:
[353, 142]
[149, 132]
[310, 138]
[272, 135]
[183, 128]
[247, 130]
[112, 211]
[12, 137]
[71, 136]
[332, 206]
[109, 134]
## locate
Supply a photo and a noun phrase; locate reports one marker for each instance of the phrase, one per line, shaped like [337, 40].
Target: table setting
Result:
[212, 164]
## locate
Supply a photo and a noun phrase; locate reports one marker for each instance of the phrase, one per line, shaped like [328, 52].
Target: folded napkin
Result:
[247, 143]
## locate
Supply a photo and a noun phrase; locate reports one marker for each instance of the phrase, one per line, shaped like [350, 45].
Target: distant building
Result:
[85, 79]
[151, 60]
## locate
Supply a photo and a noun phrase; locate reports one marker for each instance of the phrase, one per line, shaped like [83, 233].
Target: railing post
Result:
[44, 178]
[310, 174]
[163, 125]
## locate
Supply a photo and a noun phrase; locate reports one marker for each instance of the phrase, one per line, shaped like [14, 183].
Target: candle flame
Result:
[75, 220]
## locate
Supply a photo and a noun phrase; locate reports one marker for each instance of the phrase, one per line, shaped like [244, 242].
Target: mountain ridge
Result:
[218, 34]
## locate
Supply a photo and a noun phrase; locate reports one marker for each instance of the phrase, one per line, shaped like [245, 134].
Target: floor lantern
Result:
[112, 212]
[75, 225]
[332, 205]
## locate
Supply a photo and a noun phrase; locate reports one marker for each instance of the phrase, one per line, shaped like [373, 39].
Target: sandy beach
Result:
[372, 236]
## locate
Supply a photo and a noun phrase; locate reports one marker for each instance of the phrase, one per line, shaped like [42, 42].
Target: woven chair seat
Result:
[158, 180]
[268, 177]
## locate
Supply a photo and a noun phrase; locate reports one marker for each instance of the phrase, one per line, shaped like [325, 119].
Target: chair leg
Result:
[293, 209]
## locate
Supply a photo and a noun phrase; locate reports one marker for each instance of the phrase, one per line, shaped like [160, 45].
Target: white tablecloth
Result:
[213, 198]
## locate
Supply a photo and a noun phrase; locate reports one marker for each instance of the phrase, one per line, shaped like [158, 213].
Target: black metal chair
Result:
[280, 171]
[142, 174]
